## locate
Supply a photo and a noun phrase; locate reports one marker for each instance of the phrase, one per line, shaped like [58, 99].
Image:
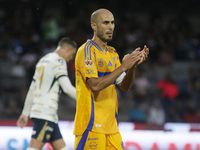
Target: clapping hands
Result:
[135, 58]
[144, 54]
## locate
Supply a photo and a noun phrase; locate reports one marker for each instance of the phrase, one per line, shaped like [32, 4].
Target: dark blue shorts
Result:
[45, 131]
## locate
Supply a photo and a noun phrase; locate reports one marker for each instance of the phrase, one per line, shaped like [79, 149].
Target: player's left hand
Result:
[22, 121]
[144, 54]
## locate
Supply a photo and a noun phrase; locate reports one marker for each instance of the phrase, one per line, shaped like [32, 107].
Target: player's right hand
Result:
[22, 121]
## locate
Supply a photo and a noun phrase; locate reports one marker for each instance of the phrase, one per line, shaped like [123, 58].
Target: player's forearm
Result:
[29, 99]
[98, 84]
[28, 102]
[67, 87]
[128, 80]
[71, 91]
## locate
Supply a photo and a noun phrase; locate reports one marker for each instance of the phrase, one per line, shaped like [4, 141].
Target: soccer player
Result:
[98, 70]
[41, 102]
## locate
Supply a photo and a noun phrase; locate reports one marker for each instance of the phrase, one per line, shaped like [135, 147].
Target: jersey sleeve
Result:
[67, 87]
[118, 63]
[59, 68]
[29, 99]
[87, 62]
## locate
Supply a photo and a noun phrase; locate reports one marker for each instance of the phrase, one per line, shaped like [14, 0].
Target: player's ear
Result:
[94, 26]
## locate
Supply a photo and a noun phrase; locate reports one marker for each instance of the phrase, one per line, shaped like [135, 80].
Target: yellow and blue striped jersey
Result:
[95, 112]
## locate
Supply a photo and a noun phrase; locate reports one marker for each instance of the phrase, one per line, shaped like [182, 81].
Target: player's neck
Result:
[100, 43]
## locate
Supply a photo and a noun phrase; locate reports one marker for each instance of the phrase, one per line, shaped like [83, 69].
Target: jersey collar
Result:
[97, 46]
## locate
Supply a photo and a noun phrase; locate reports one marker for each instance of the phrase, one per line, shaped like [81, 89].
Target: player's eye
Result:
[105, 22]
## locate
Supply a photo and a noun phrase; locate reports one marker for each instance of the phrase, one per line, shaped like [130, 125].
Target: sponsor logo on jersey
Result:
[92, 139]
[109, 63]
[93, 145]
[98, 125]
[45, 61]
[88, 63]
[89, 71]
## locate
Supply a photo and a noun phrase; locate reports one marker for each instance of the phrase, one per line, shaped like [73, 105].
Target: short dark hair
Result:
[67, 41]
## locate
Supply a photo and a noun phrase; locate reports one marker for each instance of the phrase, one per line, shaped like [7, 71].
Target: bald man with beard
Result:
[98, 71]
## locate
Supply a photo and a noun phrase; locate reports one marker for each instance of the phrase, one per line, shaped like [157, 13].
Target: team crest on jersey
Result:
[88, 63]
[93, 145]
[100, 63]
[61, 61]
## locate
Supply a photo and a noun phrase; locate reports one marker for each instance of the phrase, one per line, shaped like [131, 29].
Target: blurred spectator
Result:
[179, 108]
[195, 82]
[169, 92]
[138, 94]
[156, 114]
[181, 49]
[191, 114]
[140, 87]
[137, 114]
[166, 57]
[50, 28]
[11, 104]
[172, 116]
[18, 70]
[48, 47]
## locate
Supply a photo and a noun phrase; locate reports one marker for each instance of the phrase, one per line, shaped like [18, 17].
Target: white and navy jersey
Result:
[47, 90]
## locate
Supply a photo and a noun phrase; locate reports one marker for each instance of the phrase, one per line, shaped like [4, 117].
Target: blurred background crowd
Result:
[167, 85]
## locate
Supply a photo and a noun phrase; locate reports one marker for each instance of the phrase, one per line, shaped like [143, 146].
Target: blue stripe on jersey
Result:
[82, 142]
[89, 51]
[102, 74]
[91, 123]
[116, 116]
[85, 49]
[96, 45]
[95, 56]
[113, 50]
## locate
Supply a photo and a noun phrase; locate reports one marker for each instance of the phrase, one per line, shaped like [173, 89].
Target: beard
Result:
[100, 35]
